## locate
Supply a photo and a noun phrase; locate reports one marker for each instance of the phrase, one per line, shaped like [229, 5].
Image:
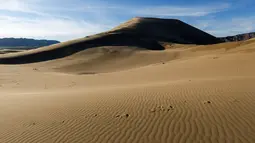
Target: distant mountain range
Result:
[239, 37]
[24, 42]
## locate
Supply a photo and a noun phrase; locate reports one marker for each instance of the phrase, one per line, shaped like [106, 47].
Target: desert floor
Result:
[183, 94]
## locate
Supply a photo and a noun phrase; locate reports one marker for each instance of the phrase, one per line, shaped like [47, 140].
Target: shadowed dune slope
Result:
[168, 30]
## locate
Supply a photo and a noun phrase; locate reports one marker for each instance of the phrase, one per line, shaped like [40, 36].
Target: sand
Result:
[182, 94]
[6, 51]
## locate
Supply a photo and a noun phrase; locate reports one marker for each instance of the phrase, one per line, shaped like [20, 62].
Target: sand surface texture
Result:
[184, 94]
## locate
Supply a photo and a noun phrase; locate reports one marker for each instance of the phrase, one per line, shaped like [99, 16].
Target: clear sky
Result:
[69, 19]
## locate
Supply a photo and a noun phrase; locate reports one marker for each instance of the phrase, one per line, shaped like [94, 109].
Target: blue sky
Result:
[69, 19]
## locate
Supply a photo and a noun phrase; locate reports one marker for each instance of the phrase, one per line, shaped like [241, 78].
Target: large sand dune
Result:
[186, 93]
[138, 33]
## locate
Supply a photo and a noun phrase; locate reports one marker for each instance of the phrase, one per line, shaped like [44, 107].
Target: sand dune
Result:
[168, 30]
[133, 33]
[118, 58]
[186, 93]
[71, 47]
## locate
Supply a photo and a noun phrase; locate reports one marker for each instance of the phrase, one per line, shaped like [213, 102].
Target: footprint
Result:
[207, 102]
[153, 110]
[170, 108]
[122, 116]
[161, 109]
[72, 84]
